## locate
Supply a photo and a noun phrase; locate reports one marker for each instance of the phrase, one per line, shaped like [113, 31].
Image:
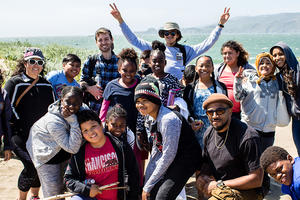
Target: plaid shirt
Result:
[108, 70]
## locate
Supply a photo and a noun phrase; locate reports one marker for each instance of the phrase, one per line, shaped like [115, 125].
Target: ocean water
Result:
[253, 43]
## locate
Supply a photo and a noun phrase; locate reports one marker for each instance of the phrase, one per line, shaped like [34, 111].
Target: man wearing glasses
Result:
[231, 151]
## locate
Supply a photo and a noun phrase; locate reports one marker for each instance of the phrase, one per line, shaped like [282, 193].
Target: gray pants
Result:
[51, 178]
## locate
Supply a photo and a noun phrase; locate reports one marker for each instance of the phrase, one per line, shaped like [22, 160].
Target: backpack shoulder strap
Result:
[183, 51]
[92, 63]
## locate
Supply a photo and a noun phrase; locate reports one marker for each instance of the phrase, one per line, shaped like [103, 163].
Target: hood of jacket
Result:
[290, 57]
[54, 108]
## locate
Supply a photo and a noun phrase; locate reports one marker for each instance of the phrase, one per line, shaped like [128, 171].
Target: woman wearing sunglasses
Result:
[178, 56]
[30, 96]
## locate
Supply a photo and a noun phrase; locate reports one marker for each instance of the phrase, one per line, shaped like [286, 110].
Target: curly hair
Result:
[272, 154]
[129, 55]
[20, 68]
[238, 47]
[116, 111]
[158, 47]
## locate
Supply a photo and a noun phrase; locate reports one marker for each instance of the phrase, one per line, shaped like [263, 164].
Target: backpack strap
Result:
[183, 51]
[25, 91]
[92, 63]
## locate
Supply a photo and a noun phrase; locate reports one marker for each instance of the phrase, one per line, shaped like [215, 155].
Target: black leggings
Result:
[28, 177]
[174, 180]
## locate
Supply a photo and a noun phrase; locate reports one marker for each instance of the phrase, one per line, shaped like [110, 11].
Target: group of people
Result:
[94, 136]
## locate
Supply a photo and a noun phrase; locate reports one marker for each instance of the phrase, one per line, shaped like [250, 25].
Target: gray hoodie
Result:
[51, 133]
[258, 101]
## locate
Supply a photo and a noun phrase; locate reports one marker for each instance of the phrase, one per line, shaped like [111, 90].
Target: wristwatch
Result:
[220, 184]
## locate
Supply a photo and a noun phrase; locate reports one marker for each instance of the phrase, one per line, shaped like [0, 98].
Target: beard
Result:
[218, 128]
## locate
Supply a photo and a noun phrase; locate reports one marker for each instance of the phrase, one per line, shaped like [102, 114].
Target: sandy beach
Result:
[10, 170]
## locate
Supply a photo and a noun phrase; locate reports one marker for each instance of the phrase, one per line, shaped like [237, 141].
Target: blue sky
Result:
[83, 17]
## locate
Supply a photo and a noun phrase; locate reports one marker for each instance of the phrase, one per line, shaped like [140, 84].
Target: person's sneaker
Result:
[34, 198]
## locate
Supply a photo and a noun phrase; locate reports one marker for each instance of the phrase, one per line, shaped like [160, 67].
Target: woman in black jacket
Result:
[28, 107]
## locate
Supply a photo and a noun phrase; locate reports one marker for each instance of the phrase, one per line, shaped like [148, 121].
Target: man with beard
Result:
[231, 152]
[99, 69]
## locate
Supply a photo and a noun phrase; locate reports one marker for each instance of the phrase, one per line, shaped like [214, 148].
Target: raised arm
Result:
[130, 36]
[69, 140]
[198, 49]
[116, 13]
[239, 92]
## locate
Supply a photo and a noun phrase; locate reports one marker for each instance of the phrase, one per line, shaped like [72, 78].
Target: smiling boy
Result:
[71, 68]
[283, 168]
[104, 159]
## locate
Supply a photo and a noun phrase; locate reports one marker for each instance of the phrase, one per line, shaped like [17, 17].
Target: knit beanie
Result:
[259, 57]
[149, 91]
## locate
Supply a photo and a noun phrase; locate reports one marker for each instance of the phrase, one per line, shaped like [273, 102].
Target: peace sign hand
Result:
[225, 16]
[116, 13]
[239, 74]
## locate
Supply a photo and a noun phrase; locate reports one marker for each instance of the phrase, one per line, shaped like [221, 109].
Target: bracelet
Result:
[221, 25]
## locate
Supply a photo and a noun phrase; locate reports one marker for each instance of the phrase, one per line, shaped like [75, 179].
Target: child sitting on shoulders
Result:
[65, 77]
[103, 159]
[285, 169]
[116, 125]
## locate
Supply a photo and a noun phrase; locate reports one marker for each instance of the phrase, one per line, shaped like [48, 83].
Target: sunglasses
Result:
[218, 111]
[167, 33]
[36, 62]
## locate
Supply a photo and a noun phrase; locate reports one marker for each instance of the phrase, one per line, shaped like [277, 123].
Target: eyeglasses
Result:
[36, 62]
[167, 33]
[218, 111]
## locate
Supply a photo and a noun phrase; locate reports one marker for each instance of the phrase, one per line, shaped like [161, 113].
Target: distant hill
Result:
[277, 23]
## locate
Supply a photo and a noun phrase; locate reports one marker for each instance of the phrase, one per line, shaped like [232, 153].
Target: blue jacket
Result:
[294, 189]
[293, 103]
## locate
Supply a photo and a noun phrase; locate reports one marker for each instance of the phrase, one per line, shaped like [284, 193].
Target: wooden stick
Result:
[116, 188]
[107, 186]
[104, 187]
[60, 196]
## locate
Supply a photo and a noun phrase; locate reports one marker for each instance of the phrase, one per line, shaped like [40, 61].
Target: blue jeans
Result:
[82, 197]
[296, 133]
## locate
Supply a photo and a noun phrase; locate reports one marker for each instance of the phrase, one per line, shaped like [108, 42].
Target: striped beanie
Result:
[149, 91]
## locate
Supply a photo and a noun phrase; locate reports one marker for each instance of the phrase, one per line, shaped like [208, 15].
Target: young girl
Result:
[198, 91]
[30, 94]
[175, 152]
[53, 138]
[105, 160]
[258, 93]
[117, 126]
[289, 81]
[166, 81]
[257, 90]
[5, 115]
[121, 90]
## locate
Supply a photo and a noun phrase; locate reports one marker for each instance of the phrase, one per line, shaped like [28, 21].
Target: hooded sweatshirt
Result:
[51, 133]
[293, 103]
[258, 101]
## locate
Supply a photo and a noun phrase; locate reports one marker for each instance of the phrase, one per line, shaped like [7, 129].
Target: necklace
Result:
[222, 144]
